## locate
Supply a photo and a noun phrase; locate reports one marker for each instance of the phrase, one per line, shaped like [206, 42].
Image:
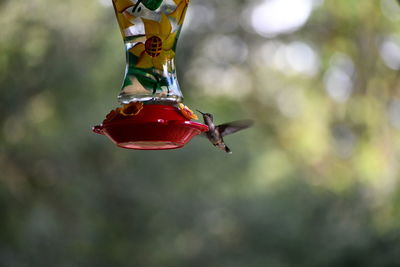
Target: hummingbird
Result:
[216, 132]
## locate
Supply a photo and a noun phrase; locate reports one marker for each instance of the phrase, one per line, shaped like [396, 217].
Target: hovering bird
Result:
[216, 132]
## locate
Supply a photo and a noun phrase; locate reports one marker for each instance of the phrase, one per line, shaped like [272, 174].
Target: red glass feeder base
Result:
[155, 127]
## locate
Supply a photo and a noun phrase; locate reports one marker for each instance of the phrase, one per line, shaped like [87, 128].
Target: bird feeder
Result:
[151, 115]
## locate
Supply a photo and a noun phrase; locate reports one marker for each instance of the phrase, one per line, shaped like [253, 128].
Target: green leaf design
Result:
[152, 4]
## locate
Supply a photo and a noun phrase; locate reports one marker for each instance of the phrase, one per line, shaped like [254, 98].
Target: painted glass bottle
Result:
[150, 29]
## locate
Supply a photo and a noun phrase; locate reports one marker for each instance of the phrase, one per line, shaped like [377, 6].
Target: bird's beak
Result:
[200, 112]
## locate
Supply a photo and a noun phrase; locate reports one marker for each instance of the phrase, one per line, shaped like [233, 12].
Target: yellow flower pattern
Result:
[127, 110]
[122, 5]
[186, 112]
[180, 11]
[157, 49]
[124, 18]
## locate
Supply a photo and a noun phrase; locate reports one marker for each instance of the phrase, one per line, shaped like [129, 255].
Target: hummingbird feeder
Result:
[151, 116]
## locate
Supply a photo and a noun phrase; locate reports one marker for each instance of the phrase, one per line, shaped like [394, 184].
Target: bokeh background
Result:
[314, 183]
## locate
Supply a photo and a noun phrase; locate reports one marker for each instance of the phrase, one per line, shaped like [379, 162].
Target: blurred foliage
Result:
[314, 183]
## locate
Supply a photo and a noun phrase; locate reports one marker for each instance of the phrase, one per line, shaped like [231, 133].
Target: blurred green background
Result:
[314, 183]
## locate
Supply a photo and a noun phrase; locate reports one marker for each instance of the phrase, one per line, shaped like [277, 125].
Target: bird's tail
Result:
[227, 150]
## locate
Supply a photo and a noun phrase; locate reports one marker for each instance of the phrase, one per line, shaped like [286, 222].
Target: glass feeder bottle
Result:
[150, 29]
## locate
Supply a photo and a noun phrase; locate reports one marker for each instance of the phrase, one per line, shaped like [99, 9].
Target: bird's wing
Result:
[233, 127]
